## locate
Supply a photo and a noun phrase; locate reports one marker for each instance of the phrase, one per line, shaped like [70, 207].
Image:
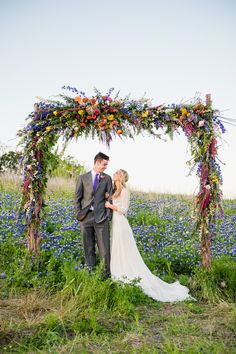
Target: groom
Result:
[92, 190]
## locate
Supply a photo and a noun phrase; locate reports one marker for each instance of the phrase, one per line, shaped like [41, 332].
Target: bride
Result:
[126, 261]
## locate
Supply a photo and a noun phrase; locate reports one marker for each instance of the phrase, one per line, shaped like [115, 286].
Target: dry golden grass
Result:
[10, 182]
[56, 185]
[30, 308]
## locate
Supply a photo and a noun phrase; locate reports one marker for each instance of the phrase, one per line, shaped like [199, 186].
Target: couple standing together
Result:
[98, 201]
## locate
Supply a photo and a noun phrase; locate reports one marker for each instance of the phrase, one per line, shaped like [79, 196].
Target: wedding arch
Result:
[74, 115]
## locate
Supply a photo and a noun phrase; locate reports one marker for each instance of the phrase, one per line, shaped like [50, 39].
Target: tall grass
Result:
[12, 183]
[86, 305]
[217, 284]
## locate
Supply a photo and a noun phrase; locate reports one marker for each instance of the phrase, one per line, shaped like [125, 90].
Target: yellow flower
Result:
[184, 111]
[81, 112]
[48, 129]
[110, 117]
[214, 179]
[145, 114]
[55, 113]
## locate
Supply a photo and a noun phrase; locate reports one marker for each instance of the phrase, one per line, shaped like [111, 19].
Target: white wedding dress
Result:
[127, 263]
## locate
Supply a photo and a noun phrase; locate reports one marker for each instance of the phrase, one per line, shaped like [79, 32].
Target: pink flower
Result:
[201, 123]
[188, 129]
[213, 147]
[206, 200]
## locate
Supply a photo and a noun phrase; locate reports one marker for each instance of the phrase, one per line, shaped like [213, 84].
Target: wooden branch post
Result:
[33, 228]
[206, 239]
[33, 238]
[206, 236]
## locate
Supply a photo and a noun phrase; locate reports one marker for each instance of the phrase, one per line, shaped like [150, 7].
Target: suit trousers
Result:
[93, 233]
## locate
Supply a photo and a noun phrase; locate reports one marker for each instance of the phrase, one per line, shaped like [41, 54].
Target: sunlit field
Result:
[49, 303]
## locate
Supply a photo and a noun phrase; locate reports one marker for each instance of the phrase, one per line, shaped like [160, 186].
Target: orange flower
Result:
[83, 124]
[114, 123]
[119, 132]
[93, 100]
[84, 99]
[113, 110]
[77, 99]
[89, 117]
[103, 123]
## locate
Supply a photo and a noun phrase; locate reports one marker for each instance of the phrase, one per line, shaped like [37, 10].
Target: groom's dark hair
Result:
[100, 156]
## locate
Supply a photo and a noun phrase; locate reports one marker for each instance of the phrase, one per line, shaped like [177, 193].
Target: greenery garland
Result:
[76, 115]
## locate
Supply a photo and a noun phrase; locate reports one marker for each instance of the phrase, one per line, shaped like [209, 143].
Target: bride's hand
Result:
[111, 206]
[108, 205]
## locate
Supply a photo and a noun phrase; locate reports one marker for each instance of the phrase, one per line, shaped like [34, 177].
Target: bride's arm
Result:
[124, 203]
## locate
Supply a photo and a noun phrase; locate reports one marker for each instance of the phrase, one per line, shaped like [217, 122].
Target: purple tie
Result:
[95, 183]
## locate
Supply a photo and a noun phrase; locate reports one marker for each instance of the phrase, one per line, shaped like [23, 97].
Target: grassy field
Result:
[50, 304]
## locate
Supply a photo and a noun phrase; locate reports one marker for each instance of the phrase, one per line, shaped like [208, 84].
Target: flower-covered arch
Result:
[75, 115]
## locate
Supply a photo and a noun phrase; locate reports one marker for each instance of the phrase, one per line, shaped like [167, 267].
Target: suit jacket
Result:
[85, 197]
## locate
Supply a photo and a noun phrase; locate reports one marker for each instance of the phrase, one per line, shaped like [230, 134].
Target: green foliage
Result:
[224, 270]
[67, 167]
[10, 161]
[217, 283]
[147, 217]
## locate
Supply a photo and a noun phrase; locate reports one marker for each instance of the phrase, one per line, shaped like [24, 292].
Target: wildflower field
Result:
[49, 303]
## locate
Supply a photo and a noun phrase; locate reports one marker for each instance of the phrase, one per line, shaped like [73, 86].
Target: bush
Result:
[218, 283]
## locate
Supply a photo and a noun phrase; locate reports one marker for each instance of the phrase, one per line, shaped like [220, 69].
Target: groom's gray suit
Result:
[94, 217]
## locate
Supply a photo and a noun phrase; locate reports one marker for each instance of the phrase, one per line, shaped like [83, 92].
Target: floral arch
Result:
[74, 115]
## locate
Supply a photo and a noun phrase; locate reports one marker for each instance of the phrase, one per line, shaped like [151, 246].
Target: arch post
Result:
[206, 235]
[33, 197]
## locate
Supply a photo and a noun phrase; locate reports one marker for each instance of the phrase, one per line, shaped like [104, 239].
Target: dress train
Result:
[127, 263]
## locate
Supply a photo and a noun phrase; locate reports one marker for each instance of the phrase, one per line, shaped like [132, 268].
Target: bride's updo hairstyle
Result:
[120, 183]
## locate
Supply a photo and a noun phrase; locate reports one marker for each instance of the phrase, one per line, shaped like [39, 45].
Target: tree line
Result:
[69, 167]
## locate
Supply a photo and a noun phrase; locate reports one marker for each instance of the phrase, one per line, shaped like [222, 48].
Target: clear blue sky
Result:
[169, 50]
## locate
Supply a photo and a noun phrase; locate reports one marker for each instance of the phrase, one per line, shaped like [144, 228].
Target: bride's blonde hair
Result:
[120, 183]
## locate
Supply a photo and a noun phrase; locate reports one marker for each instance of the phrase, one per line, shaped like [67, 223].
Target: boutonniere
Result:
[102, 176]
